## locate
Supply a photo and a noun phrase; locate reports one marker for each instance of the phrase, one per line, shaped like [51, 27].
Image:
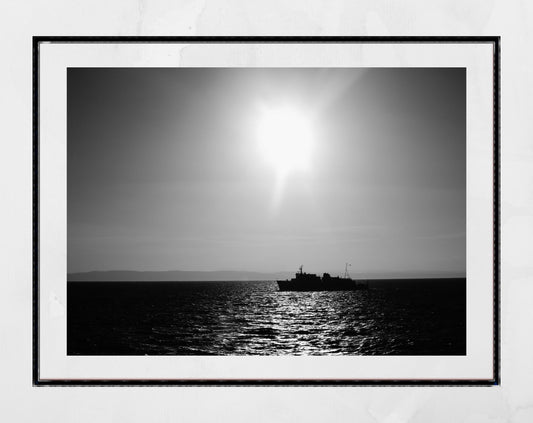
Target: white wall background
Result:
[513, 401]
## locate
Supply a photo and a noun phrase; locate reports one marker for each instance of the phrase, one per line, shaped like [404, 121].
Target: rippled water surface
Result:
[236, 318]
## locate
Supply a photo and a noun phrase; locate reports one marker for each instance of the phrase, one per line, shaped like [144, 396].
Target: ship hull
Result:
[338, 285]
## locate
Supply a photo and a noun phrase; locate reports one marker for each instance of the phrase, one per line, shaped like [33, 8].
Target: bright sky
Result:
[267, 169]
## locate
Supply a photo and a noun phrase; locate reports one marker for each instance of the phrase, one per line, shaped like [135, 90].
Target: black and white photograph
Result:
[266, 211]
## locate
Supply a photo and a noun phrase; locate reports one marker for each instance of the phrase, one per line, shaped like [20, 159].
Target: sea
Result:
[392, 317]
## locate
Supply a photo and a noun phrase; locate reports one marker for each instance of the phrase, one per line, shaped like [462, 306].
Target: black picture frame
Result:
[40, 382]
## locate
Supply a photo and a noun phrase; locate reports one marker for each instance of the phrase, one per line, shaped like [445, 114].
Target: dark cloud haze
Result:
[164, 171]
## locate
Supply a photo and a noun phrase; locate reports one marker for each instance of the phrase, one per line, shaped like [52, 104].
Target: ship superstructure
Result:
[312, 282]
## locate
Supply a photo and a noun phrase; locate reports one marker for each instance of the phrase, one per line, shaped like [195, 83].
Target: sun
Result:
[285, 139]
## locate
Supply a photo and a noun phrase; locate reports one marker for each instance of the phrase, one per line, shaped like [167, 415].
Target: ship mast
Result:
[346, 275]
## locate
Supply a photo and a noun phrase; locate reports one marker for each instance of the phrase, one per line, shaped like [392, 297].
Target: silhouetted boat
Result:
[311, 282]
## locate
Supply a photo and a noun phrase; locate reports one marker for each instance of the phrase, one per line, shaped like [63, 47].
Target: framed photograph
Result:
[266, 211]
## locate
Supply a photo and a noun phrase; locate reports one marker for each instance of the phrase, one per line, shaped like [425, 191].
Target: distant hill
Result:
[176, 275]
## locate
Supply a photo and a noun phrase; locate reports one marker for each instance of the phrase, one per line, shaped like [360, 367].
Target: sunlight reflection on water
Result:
[254, 318]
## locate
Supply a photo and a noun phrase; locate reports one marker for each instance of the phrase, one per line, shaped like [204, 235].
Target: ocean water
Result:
[397, 317]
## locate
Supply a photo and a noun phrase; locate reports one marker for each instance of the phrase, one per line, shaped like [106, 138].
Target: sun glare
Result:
[285, 138]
